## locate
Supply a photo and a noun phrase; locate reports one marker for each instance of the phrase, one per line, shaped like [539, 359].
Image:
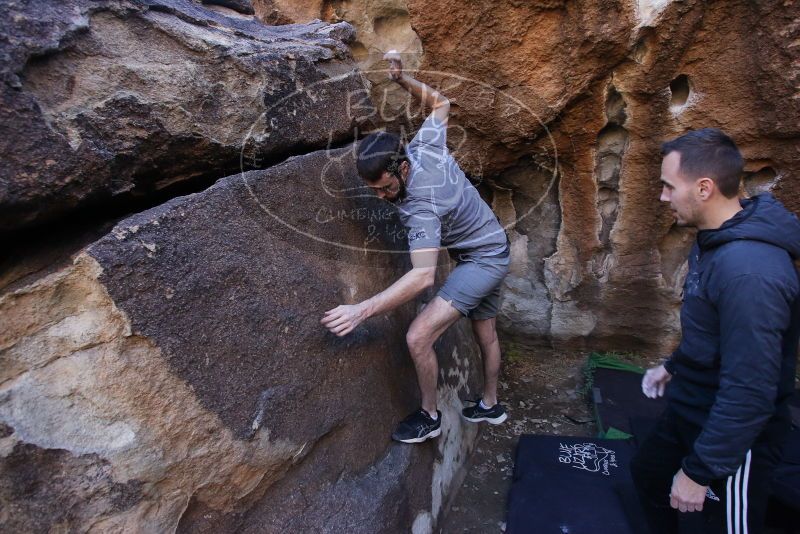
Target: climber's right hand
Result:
[395, 64]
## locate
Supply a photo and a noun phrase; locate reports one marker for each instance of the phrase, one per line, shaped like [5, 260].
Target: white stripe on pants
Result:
[737, 498]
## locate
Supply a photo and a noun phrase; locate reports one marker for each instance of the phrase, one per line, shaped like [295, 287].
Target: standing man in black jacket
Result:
[716, 446]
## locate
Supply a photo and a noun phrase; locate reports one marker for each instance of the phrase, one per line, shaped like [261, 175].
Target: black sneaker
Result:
[475, 414]
[418, 427]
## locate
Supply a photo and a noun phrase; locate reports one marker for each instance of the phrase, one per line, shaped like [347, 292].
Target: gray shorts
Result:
[473, 288]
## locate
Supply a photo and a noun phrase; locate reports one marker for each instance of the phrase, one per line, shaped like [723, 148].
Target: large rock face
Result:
[118, 99]
[176, 376]
[560, 108]
[173, 374]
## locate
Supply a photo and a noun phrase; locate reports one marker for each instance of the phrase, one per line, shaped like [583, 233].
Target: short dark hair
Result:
[379, 152]
[709, 152]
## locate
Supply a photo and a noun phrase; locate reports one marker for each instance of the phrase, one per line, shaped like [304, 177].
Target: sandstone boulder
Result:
[608, 82]
[176, 376]
[115, 100]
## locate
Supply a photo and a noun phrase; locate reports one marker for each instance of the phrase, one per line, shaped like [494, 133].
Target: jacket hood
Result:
[763, 218]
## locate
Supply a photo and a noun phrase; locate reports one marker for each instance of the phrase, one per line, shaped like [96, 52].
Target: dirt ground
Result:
[541, 389]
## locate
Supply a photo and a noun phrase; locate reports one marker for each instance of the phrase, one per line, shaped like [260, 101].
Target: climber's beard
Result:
[399, 195]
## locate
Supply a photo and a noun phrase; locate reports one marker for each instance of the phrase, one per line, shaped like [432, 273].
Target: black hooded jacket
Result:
[734, 369]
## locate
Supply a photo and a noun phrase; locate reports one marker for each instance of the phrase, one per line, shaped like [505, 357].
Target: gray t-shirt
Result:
[441, 207]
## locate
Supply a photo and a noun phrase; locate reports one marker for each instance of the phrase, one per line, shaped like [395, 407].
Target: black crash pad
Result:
[571, 485]
[617, 397]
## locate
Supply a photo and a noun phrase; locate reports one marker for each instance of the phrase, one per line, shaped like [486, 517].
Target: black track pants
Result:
[734, 505]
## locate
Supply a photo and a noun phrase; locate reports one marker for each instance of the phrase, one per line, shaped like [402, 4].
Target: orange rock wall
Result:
[595, 88]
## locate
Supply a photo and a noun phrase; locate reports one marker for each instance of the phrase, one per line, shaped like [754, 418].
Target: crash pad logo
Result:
[588, 457]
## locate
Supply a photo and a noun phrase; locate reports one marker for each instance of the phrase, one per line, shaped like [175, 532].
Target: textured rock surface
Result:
[118, 99]
[590, 90]
[380, 26]
[175, 376]
[612, 80]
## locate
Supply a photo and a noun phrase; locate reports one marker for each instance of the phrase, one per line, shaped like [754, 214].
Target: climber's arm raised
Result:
[429, 96]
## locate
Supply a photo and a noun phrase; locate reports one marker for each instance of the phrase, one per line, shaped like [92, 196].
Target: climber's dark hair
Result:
[379, 152]
[709, 152]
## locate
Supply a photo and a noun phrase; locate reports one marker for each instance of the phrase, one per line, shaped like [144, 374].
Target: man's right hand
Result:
[655, 381]
[395, 64]
[429, 96]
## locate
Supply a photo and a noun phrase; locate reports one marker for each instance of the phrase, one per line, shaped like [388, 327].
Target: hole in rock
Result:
[526, 199]
[611, 144]
[615, 107]
[607, 206]
[641, 50]
[760, 181]
[232, 8]
[360, 52]
[680, 90]
[393, 26]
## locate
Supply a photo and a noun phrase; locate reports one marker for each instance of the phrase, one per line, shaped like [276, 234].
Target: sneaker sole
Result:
[495, 421]
[435, 434]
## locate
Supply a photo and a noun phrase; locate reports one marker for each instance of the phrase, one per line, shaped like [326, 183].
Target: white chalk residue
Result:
[647, 11]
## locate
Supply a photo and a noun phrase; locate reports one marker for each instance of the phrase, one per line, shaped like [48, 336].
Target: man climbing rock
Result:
[439, 208]
[729, 382]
